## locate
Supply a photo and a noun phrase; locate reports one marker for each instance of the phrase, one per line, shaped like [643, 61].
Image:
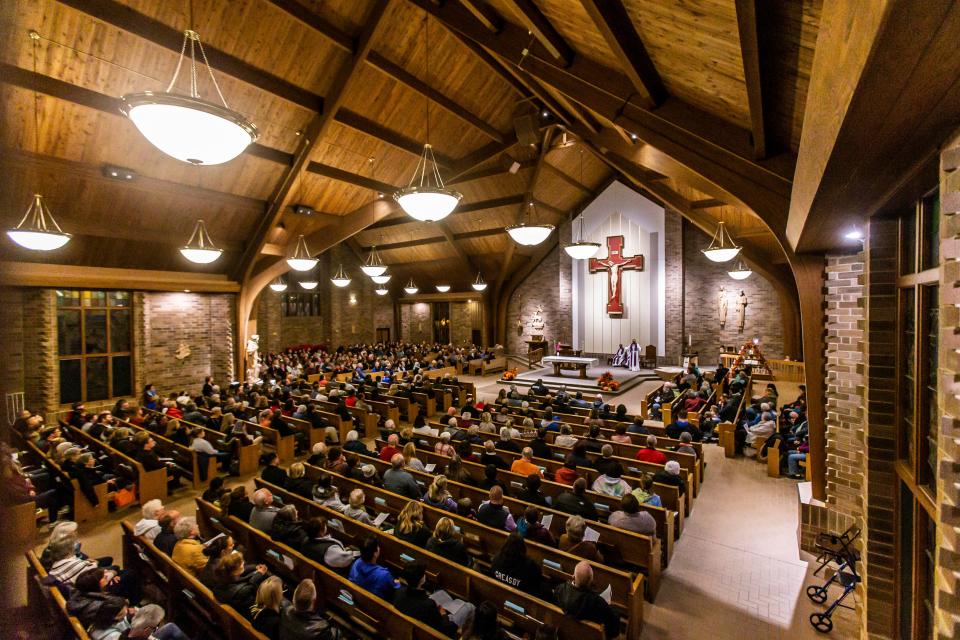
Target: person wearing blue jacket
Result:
[366, 573]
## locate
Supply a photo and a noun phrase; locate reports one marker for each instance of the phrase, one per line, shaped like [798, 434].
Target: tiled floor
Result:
[735, 573]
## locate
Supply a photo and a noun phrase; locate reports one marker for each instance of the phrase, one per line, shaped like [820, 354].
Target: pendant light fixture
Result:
[425, 198]
[529, 233]
[722, 248]
[411, 288]
[479, 284]
[581, 250]
[187, 127]
[38, 230]
[309, 284]
[278, 285]
[302, 260]
[384, 279]
[381, 291]
[443, 288]
[200, 247]
[373, 266]
[740, 272]
[340, 278]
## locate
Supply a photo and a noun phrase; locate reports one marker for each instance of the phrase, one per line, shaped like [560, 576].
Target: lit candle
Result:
[689, 339]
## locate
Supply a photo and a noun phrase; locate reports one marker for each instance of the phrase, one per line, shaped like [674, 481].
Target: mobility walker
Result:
[839, 550]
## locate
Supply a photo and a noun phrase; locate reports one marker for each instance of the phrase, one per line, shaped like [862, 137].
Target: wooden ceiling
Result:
[339, 90]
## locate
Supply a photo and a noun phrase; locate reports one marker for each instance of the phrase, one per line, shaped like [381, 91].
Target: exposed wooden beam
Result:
[466, 235]
[566, 178]
[718, 151]
[750, 53]
[374, 129]
[11, 158]
[315, 130]
[708, 203]
[452, 241]
[491, 171]
[481, 156]
[486, 14]
[318, 23]
[543, 30]
[143, 26]
[350, 178]
[480, 205]
[614, 23]
[404, 77]
[29, 274]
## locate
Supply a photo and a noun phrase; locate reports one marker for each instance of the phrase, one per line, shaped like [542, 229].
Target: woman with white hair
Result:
[148, 525]
[506, 442]
[444, 448]
[355, 508]
[355, 444]
[188, 552]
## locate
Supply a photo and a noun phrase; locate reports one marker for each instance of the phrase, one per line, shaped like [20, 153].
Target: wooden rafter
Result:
[543, 30]
[614, 23]
[355, 179]
[488, 172]
[573, 182]
[376, 130]
[466, 235]
[480, 205]
[314, 132]
[750, 52]
[486, 14]
[707, 203]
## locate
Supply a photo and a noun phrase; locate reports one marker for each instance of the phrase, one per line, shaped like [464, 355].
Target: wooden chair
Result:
[649, 356]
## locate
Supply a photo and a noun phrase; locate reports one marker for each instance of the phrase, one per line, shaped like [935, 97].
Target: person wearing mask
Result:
[369, 575]
[513, 567]
[631, 518]
[493, 513]
[575, 501]
[578, 599]
[324, 548]
[301, 620]
[573, 541]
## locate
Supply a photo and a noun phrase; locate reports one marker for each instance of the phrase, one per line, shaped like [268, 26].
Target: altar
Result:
[570, 362]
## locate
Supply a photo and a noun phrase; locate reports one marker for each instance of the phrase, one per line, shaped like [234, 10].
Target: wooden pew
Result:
[248, 456]
[428, 404]
[185, 595]
[486, 541]
[42, 599]
[185, 457]
[386, 409]
[725, 430]
[81, 508]
[285, 446]
[461, 582]
[496, 364]
[357, 606]
[150, 484]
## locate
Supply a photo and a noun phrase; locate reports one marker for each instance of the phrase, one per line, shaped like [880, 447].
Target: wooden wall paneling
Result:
[546, 33]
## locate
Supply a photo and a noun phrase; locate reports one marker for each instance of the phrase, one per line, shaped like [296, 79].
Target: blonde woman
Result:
[410, 459]
[438, 496]
[446, 542]
[486, 423]
[355, 507]
[410, 526]
[297, 481]
[266, 608]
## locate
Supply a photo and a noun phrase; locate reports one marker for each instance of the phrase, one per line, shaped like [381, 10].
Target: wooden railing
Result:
[782, 370]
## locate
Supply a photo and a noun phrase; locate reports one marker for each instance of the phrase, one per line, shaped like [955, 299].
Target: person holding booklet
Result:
[578, 599]
[438, 610]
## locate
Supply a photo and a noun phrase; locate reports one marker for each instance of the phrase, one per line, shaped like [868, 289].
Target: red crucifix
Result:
[613, 264]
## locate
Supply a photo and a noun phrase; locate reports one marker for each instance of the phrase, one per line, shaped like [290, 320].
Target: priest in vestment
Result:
[633, 356]
[620, 359]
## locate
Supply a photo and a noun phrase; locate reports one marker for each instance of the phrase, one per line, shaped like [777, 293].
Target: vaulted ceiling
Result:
[339, 89]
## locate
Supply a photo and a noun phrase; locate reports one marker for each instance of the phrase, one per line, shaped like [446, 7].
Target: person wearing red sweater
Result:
[650, 452]
[391, 448]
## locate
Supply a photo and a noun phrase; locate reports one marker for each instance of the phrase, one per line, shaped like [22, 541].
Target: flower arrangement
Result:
[510, 374]
[607, 383]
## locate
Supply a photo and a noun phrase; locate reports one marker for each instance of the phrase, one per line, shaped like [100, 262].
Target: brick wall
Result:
[202, 322]
[947, 605]
[702, 280]
[673, 281]
[543, 287]
[11, 337]
[416, 322]
[461, 322]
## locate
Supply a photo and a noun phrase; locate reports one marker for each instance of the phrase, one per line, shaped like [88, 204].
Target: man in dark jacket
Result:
[541, 449]
[489, 456]
[272, 473]
[578, 599]
[531, 491]
[413, 600]
[576, 502]
[301, 620]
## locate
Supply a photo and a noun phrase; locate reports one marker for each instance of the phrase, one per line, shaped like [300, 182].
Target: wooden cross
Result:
[613, 264]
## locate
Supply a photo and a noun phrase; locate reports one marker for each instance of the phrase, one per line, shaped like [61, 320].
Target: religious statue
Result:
[722, 307]
[519, 325]
[536, 322]
[253, 358]
[742, 303]
[614, 264]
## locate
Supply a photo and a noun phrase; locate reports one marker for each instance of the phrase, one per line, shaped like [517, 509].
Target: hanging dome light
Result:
[740, 272]
[200, 247]
[381, 291]
[38, 230]
[411, 288]
[301, 259]
[278, 285]
[340, 278]
[479, 284]
[722, 247]
[373, 266]
[383, 279]
[188, 127]
[425, 198]
[309, 284]
[530, 234]
[581, 250]
[443, 288]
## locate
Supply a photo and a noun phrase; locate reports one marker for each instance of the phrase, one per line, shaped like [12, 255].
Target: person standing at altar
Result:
[620, 359]
[633, 356]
